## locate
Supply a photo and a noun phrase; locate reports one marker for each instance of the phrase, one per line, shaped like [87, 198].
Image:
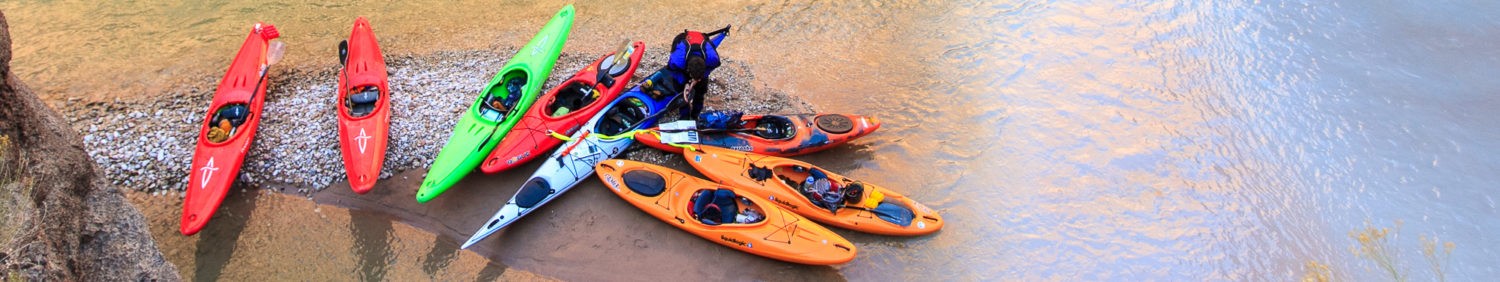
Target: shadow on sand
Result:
[589, 226]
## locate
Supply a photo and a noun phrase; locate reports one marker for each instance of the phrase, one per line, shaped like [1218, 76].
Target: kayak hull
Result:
[809, 137]
[362, 140]
[731, 167]
[475, 136]
[216, 165]
[781, 235]
[530, 137]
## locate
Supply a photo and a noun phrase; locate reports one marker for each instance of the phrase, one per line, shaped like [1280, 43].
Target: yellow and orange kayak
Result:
[723, 215]
[869, 208]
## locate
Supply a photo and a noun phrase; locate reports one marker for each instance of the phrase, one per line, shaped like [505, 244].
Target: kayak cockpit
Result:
[226, 122]
[573, 96]
[831, 194]
[722, 206]
[501, 99]
[625, 116]
[361, 100]
[817, 187]
[773, 127]
[533, 192]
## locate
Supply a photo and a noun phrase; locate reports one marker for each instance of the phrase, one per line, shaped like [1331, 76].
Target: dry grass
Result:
[1374, 244]
[1316, 272]
[1436, 257]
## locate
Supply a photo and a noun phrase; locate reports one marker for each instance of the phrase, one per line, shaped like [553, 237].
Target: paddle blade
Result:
[275, 52]
[344, 52]
[622, 54]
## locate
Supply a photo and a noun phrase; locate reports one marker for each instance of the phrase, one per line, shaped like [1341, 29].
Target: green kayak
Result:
[498, 108]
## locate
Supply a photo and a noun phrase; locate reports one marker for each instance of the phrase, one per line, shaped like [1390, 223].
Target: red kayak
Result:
[565, 108]
[228, 128]
[364, 107]
[775, 135]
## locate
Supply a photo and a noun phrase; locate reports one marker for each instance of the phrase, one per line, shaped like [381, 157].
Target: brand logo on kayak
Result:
[732, 240]
[612, 182]
[208, 172]
[362, 139]
[517, 158]
[783, 203]
[539, 47]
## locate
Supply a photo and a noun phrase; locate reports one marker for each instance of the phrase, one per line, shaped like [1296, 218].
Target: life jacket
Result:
[690, 44]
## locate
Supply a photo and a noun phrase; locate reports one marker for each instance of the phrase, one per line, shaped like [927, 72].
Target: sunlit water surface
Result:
[1094, 140]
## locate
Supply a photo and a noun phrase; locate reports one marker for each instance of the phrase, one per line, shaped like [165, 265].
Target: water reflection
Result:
[372, 243]
[213, 254]
[443, 252]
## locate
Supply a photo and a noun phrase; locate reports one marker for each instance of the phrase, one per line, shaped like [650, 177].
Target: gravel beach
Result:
[147, 144]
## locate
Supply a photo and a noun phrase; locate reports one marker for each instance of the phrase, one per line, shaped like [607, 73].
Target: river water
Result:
[1062, 140]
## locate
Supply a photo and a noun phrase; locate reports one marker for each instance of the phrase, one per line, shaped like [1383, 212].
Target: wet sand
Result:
[259, 234]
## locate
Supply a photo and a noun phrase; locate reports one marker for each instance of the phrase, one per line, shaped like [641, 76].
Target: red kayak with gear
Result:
[566, 108]
[775, 135]
[364, 106]
[229, 127]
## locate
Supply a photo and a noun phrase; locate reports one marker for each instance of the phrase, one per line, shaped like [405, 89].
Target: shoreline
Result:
[296, 146]
[297, 155]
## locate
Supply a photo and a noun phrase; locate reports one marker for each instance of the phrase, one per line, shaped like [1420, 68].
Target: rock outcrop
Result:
[61, 221]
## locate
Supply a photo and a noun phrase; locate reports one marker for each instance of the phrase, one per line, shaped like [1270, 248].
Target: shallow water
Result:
[1091, 140]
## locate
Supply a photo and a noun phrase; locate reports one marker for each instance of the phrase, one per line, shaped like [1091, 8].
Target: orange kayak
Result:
[859, 206]
[776, 135]
[751, 224]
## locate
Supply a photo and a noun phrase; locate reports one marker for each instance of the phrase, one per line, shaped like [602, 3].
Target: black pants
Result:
[695, 101]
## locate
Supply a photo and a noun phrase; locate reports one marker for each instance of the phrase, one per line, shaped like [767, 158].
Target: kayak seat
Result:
[713, 207]
[623, 117]
[572, 97]
[363, 103]
[724, 198]
[234, 113]
[662, 85]
[775, 128]
[502, 98]
[704, 210]
[514, 86]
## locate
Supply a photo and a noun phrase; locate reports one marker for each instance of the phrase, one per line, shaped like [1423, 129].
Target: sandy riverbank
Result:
[147, 145]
